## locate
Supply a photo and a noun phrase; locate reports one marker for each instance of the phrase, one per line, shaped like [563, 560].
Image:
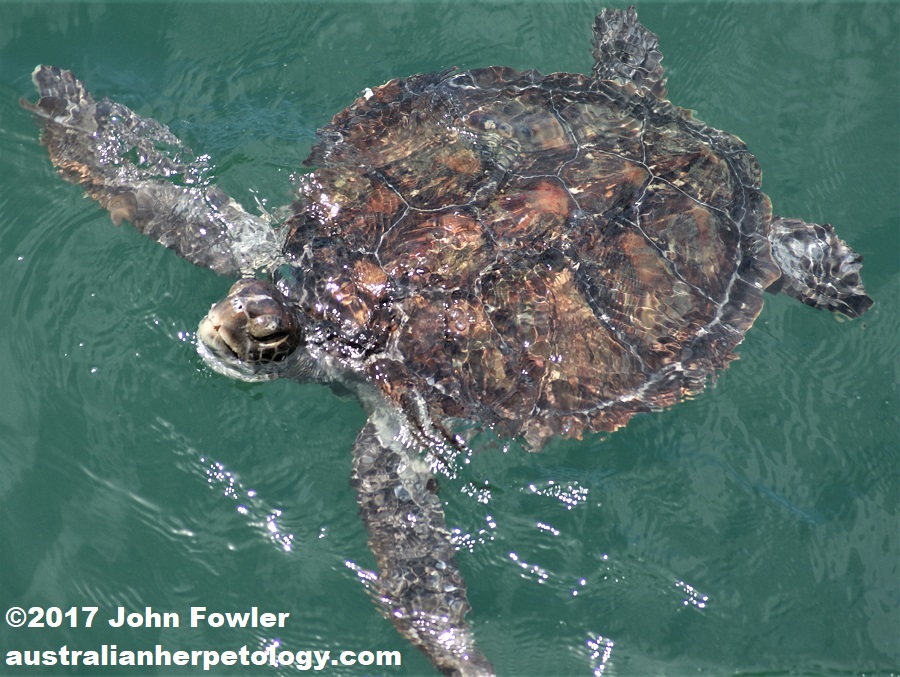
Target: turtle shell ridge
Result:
[545, 255]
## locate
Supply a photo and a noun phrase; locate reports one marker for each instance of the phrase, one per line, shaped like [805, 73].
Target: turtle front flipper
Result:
[419, 587]
[817, 267]
[626, 52]
[140, 172]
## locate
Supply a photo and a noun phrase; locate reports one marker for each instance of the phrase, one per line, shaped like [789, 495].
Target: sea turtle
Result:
[539, 254]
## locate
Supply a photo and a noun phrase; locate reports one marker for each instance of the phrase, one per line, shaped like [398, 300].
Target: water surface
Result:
[751, 530]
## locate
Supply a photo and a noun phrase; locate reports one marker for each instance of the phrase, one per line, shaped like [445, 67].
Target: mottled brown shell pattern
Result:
[542, 254]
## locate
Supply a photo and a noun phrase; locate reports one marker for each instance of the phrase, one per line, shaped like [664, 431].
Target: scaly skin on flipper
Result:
[817, 267]
[141, 173]
[419, 587]
[626, 52]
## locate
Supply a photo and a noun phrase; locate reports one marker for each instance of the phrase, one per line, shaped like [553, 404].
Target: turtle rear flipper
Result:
[624, 51]
[140, 172]
[817, 267]
[419, 587]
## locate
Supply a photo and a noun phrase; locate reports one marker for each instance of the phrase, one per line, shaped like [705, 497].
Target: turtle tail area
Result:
[817, 267]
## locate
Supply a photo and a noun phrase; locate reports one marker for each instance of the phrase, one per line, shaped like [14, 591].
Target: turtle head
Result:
[254, 334]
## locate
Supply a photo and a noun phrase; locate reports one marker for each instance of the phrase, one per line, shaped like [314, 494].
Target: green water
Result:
[753, 530]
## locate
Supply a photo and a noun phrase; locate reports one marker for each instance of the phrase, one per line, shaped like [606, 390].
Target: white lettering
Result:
[210, 658]
[273, 655]
[231, 619]
[146, 619]
[321, 659]
[197, 615]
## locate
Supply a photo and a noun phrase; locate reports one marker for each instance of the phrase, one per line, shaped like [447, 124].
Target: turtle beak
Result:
[213, 332]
